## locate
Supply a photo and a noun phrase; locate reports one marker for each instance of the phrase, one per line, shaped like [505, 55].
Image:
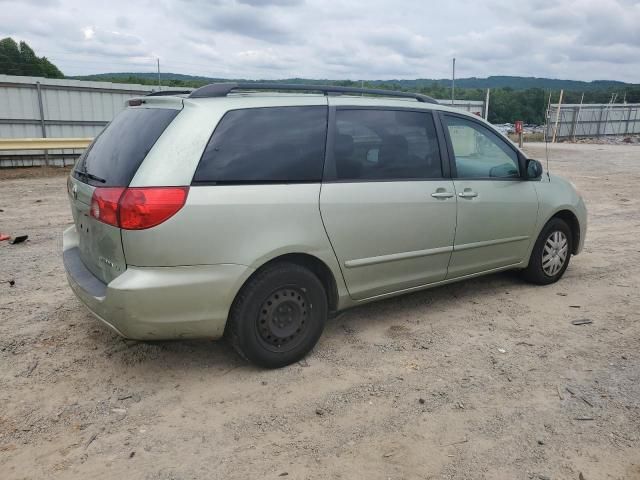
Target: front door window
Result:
[480, 153]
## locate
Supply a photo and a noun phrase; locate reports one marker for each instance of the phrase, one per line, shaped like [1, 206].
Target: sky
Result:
[372, 39]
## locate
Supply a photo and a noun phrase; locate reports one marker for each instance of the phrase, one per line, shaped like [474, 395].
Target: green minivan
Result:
[255, 211]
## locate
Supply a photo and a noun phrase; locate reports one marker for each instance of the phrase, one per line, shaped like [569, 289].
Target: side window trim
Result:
[443, 144]
[329, 168]
[452, 157]
[329, 172]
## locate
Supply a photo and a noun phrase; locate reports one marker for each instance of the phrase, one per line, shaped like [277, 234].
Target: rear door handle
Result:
[468, 194]
[442, 195]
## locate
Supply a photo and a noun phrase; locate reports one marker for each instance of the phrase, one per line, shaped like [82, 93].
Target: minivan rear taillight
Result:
[104, 204]
[137, 208]
[147, 207]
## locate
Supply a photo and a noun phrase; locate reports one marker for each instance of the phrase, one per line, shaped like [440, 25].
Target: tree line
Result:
[506, 105]
[20, 59]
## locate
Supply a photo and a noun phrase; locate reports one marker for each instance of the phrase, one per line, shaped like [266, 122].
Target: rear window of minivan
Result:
[115, 155]
[266, 145]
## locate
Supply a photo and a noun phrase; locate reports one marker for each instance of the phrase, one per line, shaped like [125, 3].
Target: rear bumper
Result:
[157, 303]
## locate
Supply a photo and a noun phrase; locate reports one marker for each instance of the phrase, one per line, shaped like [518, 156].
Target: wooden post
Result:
[626, 127]
[555, 128]
[576, 119]
[42, 124]
[606, 111]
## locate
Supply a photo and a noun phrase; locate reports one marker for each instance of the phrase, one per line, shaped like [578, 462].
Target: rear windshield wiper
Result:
[91, 176]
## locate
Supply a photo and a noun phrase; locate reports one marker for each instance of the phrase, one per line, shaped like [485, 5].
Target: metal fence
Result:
[593, 120]
[35, 107]
[473, 106]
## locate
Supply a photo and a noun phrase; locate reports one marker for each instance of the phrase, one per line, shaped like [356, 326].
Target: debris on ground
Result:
[458, 442]
[91, 440]
[19, 239]
[584, 321]
[586, 401]
[605, 140]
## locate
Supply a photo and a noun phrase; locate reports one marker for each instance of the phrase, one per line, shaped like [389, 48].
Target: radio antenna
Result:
[546, 151]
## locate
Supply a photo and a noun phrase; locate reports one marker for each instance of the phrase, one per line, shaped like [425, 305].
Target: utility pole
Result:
[453, 82]
[486, 105]
[159, 87]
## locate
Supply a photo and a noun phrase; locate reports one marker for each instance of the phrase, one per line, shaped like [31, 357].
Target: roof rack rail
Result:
[164, 93]
[223, 89]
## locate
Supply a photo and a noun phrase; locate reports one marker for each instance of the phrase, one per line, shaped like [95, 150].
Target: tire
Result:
[278, 316]
[546, 264]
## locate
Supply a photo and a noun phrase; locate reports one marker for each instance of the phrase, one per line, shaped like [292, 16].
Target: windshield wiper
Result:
[91, 176]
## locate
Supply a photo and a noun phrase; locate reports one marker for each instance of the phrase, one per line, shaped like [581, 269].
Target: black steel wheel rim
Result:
[283, 319]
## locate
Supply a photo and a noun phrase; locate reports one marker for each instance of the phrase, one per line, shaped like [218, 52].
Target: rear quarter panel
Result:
[245, 224]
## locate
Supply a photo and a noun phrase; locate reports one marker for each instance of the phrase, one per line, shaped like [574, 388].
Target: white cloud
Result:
[88, 32]
[577, 39]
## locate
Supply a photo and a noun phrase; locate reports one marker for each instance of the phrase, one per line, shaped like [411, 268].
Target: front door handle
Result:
[442, 195]
[468, 193]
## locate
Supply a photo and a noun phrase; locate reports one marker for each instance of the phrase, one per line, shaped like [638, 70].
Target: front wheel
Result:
[278, 315]
[551, 253]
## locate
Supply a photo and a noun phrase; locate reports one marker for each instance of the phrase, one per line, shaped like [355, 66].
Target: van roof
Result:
[223, 89]
[255, 94]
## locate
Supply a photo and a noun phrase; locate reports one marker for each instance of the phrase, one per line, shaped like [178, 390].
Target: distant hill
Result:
[517, 83]
[513, 82]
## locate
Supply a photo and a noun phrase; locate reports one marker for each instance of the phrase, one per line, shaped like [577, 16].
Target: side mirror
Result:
[534, 169]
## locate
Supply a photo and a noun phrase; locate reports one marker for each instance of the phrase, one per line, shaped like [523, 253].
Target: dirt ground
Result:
[486, 379]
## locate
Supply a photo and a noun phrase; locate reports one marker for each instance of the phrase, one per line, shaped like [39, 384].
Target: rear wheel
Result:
[551, 253]
[278, 315]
